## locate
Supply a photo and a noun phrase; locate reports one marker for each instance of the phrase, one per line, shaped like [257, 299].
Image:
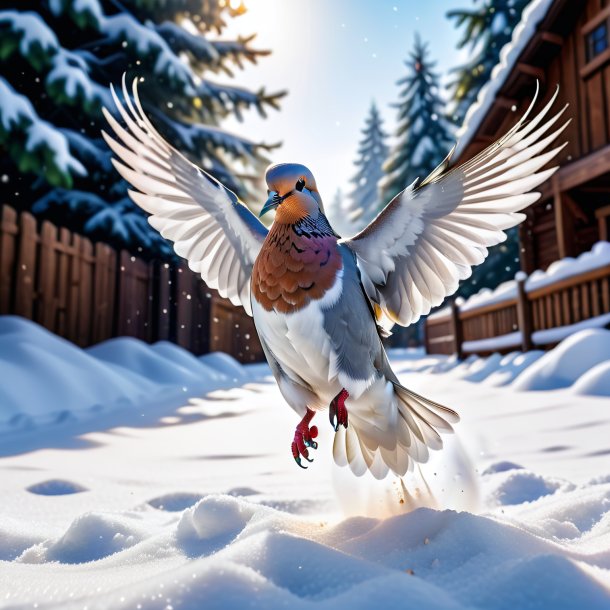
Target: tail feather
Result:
[391, 428]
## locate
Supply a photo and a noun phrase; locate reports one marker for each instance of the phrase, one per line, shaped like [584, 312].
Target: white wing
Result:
[428, 237]
[209, 226]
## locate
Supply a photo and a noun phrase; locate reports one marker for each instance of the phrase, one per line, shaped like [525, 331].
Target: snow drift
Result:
[46, 379]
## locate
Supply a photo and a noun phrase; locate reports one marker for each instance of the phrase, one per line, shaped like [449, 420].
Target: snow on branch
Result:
[84, 12]
[43, 145]
[125, 28]
[69, 82]
[28, 33]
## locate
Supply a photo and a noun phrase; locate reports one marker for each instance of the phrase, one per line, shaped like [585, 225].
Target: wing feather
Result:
[428, 237]
[208, 224]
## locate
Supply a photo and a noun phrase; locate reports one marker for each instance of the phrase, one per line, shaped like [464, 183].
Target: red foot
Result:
[338, 410]
[303, 438]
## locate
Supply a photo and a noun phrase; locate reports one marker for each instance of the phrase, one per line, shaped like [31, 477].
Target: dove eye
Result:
[300, 184]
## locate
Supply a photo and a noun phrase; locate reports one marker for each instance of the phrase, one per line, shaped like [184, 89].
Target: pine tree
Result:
[423, 134]
[337, 215]
[487, 28]
[364, 203]
[57, 58]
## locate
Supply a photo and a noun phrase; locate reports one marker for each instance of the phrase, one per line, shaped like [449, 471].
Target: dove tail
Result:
[393, 435]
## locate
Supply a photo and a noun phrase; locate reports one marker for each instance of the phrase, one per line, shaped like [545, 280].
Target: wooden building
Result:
[565, 43]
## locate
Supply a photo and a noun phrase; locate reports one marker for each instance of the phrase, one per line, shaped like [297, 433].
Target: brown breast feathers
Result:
[294, 267]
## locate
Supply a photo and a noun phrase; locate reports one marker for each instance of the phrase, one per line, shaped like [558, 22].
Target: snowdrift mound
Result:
[234, 553]
[565, 364]
[580, 362]
[47, 380]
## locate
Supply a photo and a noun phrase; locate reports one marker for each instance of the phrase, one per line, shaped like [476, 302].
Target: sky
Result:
[334, 57]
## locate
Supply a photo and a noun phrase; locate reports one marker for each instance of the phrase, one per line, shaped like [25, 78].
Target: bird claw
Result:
[303, 440]
[337, 411]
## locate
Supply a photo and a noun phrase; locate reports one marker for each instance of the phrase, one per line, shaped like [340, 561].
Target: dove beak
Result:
[272, 202]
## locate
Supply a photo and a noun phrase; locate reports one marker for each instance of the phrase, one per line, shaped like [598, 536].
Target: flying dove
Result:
[320, 303]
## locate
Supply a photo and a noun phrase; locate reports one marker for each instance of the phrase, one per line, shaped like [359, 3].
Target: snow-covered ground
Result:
[130, 480]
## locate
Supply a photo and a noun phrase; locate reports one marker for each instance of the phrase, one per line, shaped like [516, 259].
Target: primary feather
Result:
[209, 226]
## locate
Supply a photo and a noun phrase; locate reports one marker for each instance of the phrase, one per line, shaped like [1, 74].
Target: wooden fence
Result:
[522, 321]
[88, 292]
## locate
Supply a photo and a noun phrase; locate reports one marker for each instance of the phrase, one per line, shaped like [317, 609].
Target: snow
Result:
[33, 31]
[70, 73]
[199, 504]
[124, 27]
[596, 258]
[532, 15]
[493, 343]
[564, 365]
[17, 112]
[54, 381]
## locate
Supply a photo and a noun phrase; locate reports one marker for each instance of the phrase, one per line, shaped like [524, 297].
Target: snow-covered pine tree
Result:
[487, 27]
[363, 200]
[57, 58]
[423, 135]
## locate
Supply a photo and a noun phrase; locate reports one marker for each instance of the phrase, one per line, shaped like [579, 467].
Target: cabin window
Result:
[597, 41]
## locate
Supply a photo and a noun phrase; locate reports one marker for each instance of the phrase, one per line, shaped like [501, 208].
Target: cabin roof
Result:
[533, 14]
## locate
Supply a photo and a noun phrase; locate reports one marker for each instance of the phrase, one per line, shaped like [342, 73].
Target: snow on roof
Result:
[533, 14]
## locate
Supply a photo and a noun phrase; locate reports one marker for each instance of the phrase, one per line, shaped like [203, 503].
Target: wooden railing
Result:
[89, 292]
[520, 322]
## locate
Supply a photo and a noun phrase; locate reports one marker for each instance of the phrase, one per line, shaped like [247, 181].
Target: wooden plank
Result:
[535, 315]
[8, 257]
[26, 266]
[457, 330]
[183, 309]
[557, 310]
[585, 311]
[85, 294]
[562, 223]
[605, 289]
[548, 305]
[595, 299]
[596, 114]
[565, 306]
[584, 169]
[100, 294]
[583, 109]
[122, 318]
[595, 17]
[575, 305]
[63, 279]
[524, 316]
[47, 300]
[73, 303]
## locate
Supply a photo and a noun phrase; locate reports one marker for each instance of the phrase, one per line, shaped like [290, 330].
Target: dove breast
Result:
[329, 344]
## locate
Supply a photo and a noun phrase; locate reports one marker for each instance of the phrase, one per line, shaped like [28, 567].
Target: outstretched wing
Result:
[429, 236]
[209, 226]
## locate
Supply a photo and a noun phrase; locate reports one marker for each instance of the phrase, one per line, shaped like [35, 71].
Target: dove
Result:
[321, 304]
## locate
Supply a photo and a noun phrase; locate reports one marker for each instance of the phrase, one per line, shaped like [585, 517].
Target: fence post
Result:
[47, 301]
[9, 231]
[457, 330]
[524, 313]
[26, 269]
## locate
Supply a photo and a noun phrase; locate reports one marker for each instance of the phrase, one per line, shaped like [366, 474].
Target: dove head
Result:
[292, 193]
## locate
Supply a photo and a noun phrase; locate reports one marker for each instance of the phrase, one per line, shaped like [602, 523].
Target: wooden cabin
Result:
[565, 43]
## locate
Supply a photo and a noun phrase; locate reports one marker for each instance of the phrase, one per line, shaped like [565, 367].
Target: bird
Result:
[321, 304]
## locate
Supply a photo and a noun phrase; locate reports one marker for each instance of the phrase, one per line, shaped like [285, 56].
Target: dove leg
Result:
[303, 439]
[338, 411]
